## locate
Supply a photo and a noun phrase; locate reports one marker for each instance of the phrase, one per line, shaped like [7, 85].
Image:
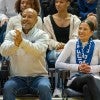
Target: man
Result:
[27, 54]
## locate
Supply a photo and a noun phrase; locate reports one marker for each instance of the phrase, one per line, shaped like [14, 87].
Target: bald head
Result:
[30, 10]
[29, 19]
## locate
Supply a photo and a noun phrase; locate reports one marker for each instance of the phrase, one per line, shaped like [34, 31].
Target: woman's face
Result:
[61, 5]
[25, 4]
[84, 32]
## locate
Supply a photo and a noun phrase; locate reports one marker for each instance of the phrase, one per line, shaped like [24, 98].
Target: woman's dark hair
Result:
[90, 23]
[92, 27]
[33, 2]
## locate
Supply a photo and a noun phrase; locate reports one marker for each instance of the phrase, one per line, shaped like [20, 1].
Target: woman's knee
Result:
[85, 87]
[89, 79]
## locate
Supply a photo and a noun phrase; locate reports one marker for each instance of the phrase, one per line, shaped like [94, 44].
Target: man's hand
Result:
[17, 38]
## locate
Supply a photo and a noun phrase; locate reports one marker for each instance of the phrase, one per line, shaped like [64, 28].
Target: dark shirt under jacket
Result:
[61, 33]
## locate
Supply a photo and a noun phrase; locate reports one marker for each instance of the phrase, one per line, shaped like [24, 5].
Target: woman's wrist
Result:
[79, 68]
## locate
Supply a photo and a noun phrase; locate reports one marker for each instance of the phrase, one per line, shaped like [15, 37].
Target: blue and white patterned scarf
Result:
[84, 55]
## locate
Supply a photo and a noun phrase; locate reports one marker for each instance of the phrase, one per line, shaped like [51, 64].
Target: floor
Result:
[1, 98]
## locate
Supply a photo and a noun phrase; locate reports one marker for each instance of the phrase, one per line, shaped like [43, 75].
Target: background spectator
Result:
[93, 18]
[7, 7]
[98, 19]
[47, 7]
[73, 7]
[20, 6]
[6, 11]
[86, 7]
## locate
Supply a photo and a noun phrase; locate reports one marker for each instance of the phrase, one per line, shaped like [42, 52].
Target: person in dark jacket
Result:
[86, 7]
[98, 19]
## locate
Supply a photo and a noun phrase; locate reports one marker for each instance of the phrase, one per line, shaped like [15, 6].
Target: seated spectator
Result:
[27, 50]
[6, 11]
[86, 7]
[93, 18]
[61, 27]
[84, 63]
[7, 8]
[20, 5]
[98, 19]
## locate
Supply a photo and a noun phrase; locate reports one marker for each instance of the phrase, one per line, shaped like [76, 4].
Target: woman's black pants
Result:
[87, 84]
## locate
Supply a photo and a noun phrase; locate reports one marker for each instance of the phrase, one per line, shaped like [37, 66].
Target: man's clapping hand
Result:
[17, 38]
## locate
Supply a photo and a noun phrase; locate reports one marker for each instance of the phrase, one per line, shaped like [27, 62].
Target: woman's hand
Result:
[59, 46]
[85, 68]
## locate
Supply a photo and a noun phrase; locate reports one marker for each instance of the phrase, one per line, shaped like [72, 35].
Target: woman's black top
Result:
[61, 33]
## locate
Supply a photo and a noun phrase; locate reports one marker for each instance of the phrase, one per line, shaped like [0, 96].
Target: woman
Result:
[84, 63]
[61, 27]
[20, 6]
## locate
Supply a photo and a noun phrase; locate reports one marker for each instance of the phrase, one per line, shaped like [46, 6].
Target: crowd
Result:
[35, 37]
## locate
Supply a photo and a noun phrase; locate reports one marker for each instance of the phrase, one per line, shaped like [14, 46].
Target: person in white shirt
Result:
[84, 62]
[7, 8]
[20, 6]
[6, 11]
[27, 51]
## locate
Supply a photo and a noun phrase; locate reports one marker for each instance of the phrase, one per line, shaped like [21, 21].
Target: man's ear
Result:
[68, 4]
[36, 20]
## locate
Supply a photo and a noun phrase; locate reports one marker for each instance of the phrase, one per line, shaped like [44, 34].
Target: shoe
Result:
[57, 93]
